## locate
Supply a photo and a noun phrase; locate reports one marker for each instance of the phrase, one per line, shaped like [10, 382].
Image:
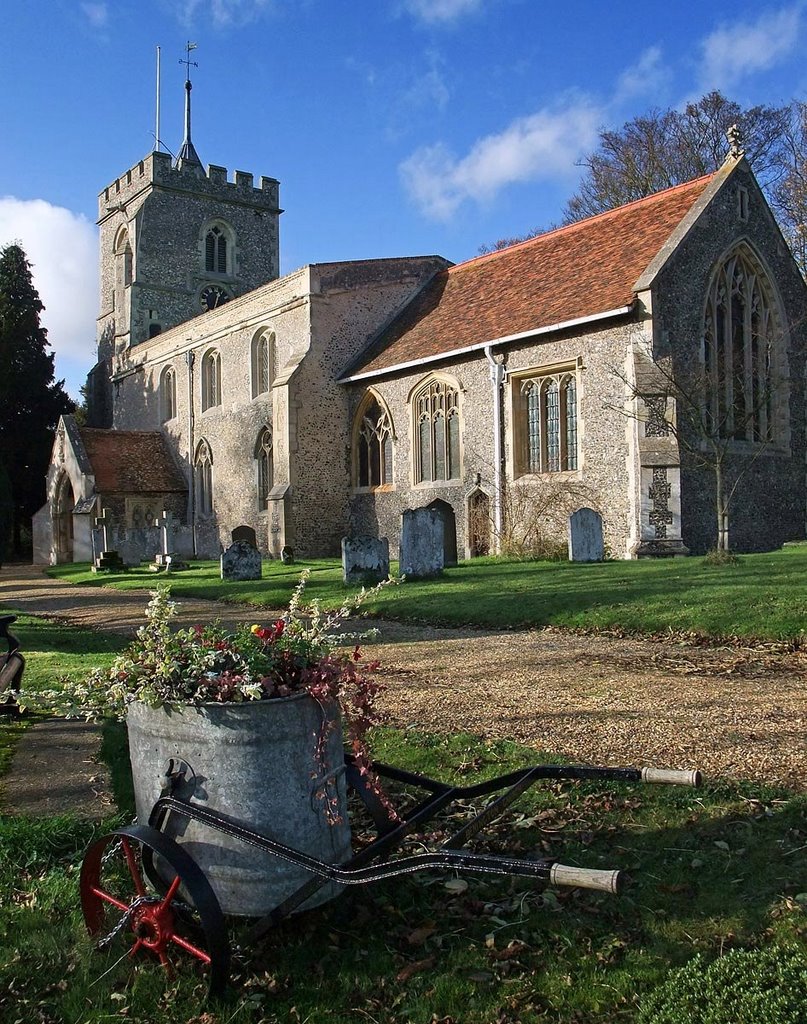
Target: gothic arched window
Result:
[263, 352]
[203, 478]
[211, 379]
[436, 418]
[545, 408]
[168, 394]
[372, 444]
[216, 251]
[740, 337]
[123, 258]
[263, 456]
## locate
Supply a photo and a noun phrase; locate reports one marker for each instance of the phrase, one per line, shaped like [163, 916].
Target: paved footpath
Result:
[26, 588]
[737, 712]
[55, 767]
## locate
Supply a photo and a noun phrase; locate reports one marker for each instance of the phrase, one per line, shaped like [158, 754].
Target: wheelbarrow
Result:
[139, 885]
[12, 666]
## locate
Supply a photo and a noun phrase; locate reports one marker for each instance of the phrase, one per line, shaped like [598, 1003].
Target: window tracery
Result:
[739, 347]
[437, 431]
[372, 452]
[211, 380]
[546, 422]
[263, 456]
[168, 394]
[216, 251]
[203, 478]
[263, 358]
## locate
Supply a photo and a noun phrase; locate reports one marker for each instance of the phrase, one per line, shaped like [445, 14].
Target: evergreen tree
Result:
[31, 401]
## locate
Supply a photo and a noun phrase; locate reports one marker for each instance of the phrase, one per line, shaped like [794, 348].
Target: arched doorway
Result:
[63, 505]
[478, 524]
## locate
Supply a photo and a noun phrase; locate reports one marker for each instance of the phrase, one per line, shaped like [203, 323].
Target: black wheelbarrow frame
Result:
[162, 916]
[12, 666]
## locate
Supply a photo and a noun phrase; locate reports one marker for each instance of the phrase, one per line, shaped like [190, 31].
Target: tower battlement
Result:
[157, 170]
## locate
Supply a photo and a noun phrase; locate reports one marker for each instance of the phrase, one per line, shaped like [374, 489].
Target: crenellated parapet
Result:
[157, 170]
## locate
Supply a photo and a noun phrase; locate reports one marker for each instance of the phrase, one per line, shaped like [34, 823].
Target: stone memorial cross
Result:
[165, 522]
[103, 523]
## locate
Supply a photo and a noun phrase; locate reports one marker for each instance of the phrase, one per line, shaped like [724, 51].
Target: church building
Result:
[615, 363]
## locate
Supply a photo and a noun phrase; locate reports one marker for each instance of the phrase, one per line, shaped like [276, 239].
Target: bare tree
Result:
[505, 243]
[667, 147]
[789, 193]
[719, 426]
[663, 148]
[536, 515]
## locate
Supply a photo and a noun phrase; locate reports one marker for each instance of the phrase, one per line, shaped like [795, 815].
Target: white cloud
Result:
[428, 90]
[96, 13]
[62, 248]
[436, 11]
[544, 145]
[734, 51]
[221, 12]
[648, 77]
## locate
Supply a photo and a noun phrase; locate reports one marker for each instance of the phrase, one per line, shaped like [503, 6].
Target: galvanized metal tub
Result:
[255, 762]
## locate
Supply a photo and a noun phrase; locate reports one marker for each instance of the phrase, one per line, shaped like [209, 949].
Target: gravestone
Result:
[449, 530]
[245, 533]
[166, 559]
[108, 560]
[585, 536]
[287, 555]
[422, 550]
[241, 561]
[163, 558]
[365, 559]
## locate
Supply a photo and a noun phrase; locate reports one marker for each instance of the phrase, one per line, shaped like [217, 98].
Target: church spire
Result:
[187, 154]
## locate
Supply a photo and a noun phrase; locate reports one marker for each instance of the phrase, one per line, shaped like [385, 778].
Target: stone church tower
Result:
[175, 241]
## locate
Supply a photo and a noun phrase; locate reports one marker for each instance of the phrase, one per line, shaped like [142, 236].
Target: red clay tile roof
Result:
[131, 461]
[576, 271]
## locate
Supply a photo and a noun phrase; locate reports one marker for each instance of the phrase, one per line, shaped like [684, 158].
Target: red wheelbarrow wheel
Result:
[140, 887]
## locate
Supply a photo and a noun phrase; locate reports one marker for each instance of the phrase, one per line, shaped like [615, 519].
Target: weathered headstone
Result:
[585, 536]
[241, 561]
[422, 550]
[365, 559]
[449, 530]
[245, 533]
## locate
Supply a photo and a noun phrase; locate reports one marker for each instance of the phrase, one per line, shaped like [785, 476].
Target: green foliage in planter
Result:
[743, 987]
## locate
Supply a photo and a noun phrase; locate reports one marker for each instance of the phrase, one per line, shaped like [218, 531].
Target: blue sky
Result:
[396, 127]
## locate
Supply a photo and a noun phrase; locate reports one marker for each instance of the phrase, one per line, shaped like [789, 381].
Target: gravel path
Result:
[735, 712]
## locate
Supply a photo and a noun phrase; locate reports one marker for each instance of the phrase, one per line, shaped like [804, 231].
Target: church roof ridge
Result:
[131, 461]
[584, 222]
[565, 277]
[377, 259]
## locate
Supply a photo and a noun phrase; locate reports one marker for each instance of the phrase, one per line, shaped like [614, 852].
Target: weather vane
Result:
[186, 60]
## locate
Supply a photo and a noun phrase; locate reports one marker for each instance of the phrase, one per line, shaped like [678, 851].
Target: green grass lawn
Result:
[51, 650]
[762, 596]
[709, 870]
